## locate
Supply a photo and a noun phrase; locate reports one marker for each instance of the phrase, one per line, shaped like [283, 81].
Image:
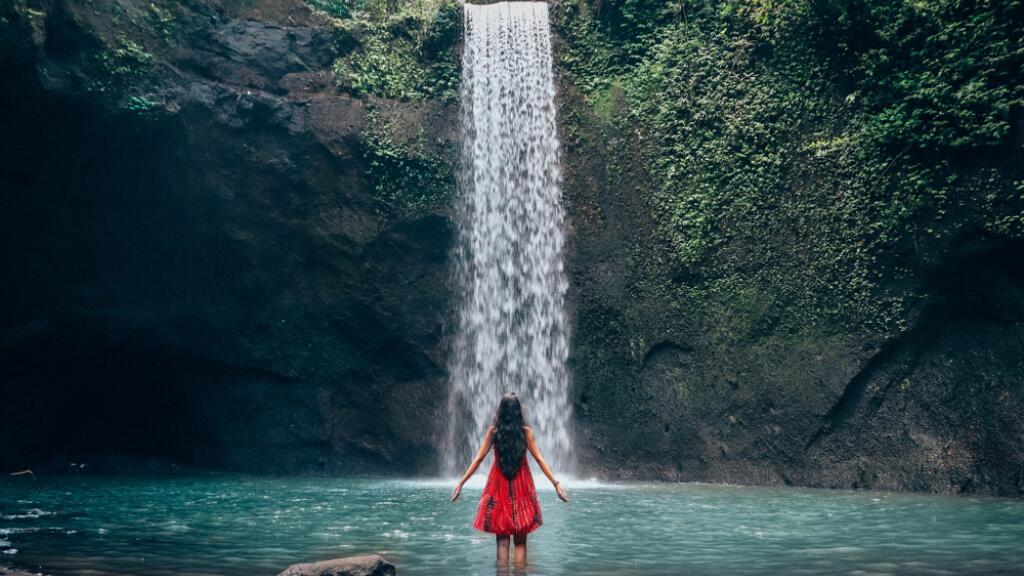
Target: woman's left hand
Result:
[561, 492]
[456, 492]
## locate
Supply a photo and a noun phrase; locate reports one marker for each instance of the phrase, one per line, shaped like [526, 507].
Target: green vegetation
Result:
[162, 20]
[404, 50]
[804, 151]
[120, 65]
[370, 8]
[141, 104]
[410, 177]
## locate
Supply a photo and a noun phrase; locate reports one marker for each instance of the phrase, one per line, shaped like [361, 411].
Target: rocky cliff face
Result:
[936, 408]
[216, 256]
[200, 268]
[678, 378]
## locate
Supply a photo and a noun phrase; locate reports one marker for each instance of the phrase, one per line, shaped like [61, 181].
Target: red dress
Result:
[509, 506]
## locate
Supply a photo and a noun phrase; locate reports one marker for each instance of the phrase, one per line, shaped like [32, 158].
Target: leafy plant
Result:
[407, 51]
[120, 65]
[410, 177]
[141, 104]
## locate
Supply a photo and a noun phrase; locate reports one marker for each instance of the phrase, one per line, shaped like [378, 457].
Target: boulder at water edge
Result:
[369, 565]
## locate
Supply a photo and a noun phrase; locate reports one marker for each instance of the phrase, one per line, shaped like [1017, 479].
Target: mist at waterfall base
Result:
[512, 333]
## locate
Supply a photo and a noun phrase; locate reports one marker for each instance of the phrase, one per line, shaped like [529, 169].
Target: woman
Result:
[509, 508]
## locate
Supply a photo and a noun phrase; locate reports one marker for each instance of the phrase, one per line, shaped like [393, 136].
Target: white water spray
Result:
[513, 335]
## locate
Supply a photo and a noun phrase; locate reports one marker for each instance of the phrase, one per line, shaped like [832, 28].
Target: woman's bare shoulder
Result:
[528, 430]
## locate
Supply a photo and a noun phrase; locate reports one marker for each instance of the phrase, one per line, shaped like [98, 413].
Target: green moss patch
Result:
[405, 51]
[411, 176]
[801, 152]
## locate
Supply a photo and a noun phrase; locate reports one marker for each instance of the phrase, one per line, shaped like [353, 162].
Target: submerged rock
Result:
[369, 565]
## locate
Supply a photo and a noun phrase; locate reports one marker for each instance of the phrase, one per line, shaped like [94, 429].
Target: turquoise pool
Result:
[241, 525]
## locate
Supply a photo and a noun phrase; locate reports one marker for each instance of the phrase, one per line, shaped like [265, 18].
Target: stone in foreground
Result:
[369, 565]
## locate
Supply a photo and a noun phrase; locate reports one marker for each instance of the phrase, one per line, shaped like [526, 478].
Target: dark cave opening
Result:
[100, 281]
[78, 400]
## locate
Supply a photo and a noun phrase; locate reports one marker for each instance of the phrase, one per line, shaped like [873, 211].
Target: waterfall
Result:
[513, 335]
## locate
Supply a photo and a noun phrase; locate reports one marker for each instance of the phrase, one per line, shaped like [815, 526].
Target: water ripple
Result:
[235, 525]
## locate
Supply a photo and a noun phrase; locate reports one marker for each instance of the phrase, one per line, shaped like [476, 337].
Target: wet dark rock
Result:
[370, 565]
[936, 408]
[200, 273]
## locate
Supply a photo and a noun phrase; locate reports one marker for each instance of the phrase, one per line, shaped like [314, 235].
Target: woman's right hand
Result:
[456, 492]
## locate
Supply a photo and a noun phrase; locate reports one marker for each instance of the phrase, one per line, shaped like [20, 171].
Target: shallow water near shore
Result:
[235, 525]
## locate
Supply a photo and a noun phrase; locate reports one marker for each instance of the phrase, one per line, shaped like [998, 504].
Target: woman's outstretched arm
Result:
[531, 444]
[477, 460]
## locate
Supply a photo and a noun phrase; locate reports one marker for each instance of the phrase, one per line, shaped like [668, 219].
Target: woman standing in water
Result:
[509, 508]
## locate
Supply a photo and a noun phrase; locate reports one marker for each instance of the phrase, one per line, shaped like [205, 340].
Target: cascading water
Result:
[513, 335]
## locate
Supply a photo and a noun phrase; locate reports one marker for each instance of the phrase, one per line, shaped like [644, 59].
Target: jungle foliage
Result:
[390, 49]
[411, 177]
[806, 153]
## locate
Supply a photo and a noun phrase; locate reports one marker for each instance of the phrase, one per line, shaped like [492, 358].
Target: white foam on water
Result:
[28, 514]
[477, 482]
[9, 531]
[513, 333]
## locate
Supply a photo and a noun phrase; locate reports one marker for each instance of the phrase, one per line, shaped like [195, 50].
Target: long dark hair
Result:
[509, 437]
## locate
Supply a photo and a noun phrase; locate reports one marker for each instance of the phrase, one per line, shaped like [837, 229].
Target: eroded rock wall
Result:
[673, 380]
[211, 261]
[199, 271]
